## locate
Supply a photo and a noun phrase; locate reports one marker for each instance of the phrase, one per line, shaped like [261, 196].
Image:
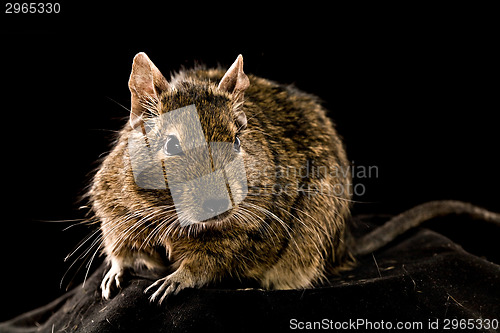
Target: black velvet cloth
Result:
[421, 277]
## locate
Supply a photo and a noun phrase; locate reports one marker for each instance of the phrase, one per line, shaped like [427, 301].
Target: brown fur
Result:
[286, 240]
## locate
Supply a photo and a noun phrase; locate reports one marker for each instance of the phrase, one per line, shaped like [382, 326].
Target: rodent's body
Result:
[283, 235]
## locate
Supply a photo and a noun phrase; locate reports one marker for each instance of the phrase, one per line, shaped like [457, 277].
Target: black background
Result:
[412, 91]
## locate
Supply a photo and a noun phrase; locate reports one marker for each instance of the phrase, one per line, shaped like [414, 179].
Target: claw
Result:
[169, 285]
[111, 280]
[154, 284]
[117, 281]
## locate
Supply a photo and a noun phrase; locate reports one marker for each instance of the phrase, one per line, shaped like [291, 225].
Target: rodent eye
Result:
[237, 144]
[172, 146]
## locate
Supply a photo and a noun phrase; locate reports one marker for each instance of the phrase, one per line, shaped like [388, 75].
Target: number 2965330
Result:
[32, 8]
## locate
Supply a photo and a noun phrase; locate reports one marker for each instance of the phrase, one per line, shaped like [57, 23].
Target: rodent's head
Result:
[180, 160]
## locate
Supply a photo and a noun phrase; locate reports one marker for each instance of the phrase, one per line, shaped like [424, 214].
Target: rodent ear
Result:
[236, 82]
[146, 83]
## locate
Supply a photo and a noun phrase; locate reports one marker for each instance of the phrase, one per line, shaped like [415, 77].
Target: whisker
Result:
[82, 242]
[271, 214]
[89, 265]
[80, 257]
[118, 104]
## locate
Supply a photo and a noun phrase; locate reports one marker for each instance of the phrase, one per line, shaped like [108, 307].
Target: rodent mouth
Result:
[218, 218]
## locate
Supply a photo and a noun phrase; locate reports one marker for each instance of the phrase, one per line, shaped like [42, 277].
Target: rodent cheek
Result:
[161, 156]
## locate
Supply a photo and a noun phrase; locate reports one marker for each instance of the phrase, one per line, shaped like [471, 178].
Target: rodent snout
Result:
[215, 206]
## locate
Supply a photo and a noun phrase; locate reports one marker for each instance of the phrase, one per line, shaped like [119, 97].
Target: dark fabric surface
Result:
[423, 277]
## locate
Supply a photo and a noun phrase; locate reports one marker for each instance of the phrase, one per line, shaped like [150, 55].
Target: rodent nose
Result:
[215, 206]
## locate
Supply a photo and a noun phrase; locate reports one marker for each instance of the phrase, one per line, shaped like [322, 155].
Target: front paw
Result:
[171, 285]
[111, 281]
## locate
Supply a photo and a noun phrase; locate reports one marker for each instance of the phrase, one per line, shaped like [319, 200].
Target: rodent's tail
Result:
[416, 216]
